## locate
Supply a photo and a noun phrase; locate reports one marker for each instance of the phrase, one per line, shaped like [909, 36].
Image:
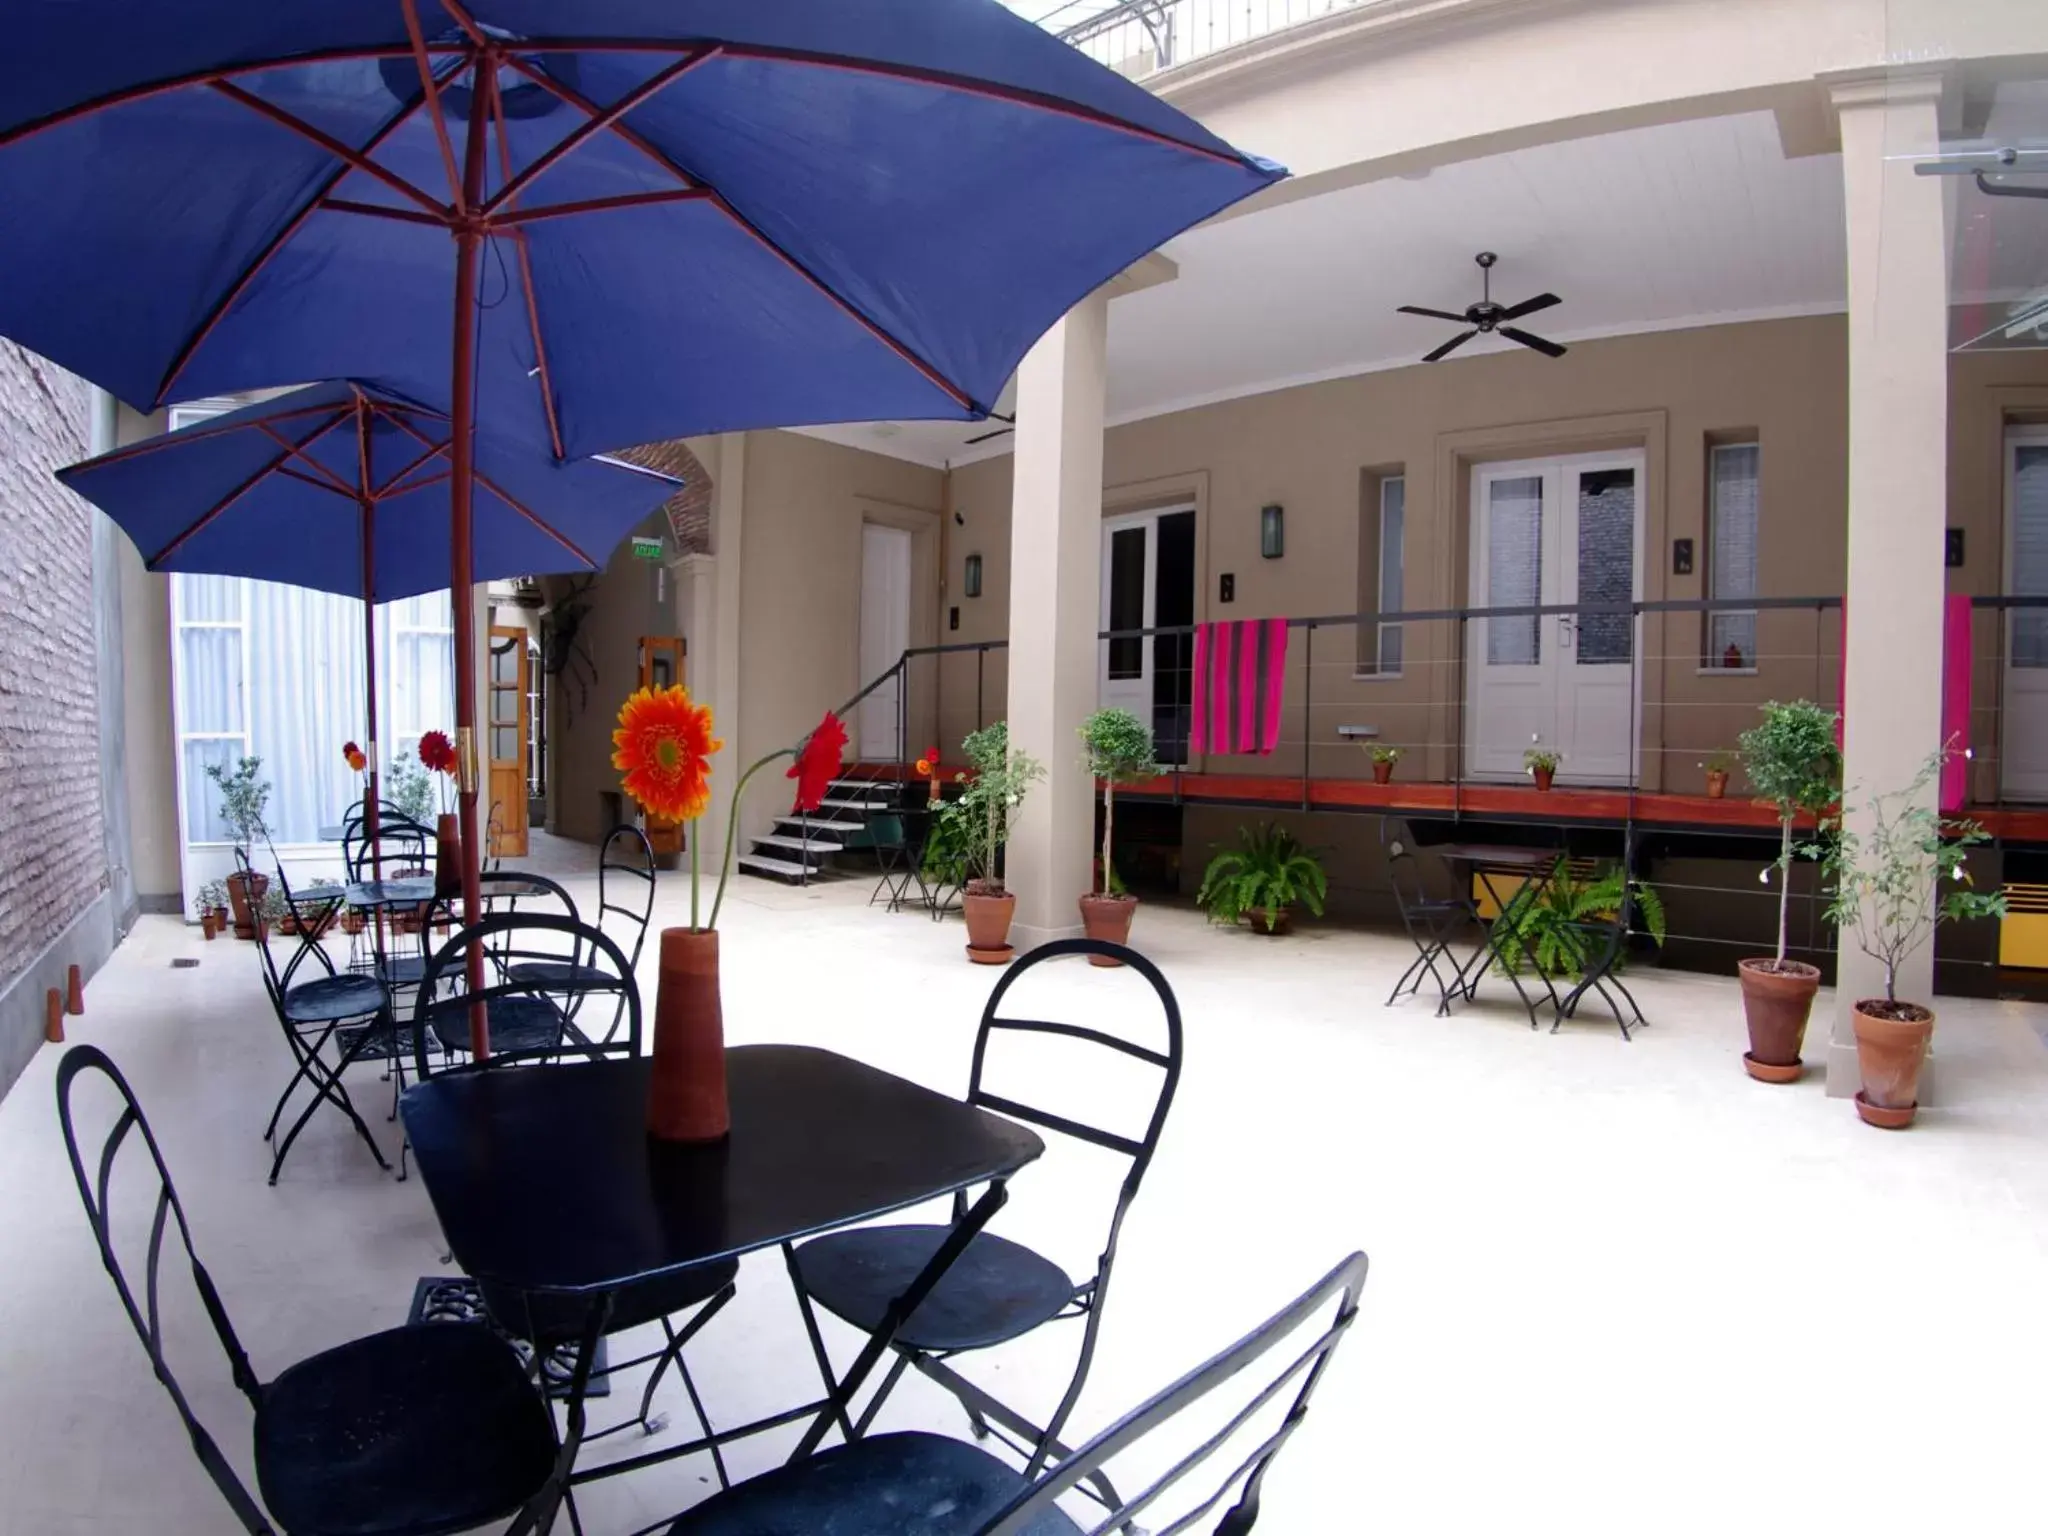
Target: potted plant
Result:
[1119, 751]
[1383, 760]
[991, 792]
[408, 787]
[274, 913]
[1542, 765]
[1717, 766]
[213, 905]
[243, 795]
[1793, 762]
[325, 895]
[1558, 931]
[1887, 890]
[1261, 881]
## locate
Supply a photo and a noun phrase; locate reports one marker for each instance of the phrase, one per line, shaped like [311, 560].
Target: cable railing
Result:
[1142, 37]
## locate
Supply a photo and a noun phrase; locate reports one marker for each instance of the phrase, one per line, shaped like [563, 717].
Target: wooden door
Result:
[508, 733]
[661, 666]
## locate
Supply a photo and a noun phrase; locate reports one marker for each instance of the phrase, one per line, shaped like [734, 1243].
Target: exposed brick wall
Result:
[52, 852]
[689, 510]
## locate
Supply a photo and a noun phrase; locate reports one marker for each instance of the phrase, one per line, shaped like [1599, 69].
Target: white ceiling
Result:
[1689, 223]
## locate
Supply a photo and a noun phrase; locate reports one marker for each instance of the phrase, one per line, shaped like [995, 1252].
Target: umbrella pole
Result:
[366, 505]
[461, 588]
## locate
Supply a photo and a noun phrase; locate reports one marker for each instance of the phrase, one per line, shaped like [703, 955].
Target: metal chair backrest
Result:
[1324, 1312]
[145, 1307]
[625, 885]
[1404, 869]
[886, 829]
[399, 843]
[583, 963]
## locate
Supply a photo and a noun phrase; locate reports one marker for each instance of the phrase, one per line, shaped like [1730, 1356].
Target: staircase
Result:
[801, 847]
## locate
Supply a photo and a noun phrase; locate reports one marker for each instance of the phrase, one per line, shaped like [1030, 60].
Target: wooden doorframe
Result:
[506, 805]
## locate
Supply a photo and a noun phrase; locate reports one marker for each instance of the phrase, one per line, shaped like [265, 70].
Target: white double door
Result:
[1547, 532]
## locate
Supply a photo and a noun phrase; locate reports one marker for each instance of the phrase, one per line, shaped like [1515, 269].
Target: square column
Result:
[1055, 610]
[1898, 474]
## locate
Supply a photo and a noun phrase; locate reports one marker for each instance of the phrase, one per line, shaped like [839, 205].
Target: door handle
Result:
[1565, 630]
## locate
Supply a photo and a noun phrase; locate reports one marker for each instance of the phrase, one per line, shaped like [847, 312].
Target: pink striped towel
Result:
[1240, 667]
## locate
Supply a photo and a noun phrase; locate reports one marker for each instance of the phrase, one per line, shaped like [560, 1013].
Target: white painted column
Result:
[1055, 609]
[714, 678]
[1898, 473]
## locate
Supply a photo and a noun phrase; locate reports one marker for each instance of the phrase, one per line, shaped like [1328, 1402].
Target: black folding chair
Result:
[1602, 945]
[1433, 922]
[997, 1290]
[540, 1015]
[352, 1440]
[350, 1012]
[625, 901]
[896, 858]
[927, 1485]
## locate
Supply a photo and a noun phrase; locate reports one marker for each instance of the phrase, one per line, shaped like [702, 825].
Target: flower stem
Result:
[732, 828]
[693, 888]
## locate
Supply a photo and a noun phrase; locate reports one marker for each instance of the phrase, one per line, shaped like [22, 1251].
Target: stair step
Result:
[854, 805]
[831, 827]
[766, 864]
[801, 845]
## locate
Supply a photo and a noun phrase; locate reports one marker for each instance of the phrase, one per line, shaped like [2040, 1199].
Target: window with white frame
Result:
[1732, 552]
[1382, 539]
[272, 671]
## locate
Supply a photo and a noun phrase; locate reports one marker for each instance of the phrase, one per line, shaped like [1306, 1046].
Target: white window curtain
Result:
[1393, 534]
[2029, 570]
[1732, 558]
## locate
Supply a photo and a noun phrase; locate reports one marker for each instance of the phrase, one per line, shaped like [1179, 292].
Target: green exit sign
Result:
[646, 549]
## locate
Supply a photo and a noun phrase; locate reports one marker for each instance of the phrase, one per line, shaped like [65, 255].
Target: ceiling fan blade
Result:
[1547, 348]
[1530, 306]
[987, 436]
[1434, 314]
[1450, 346]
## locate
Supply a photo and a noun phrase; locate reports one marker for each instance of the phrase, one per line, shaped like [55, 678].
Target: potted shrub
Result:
[1793, 762]
[1383, 760]
[1887, 891]
[1260, 882]
[213, 906]
[243, 795]
[1119, 751]
[1542, 765]
[991, 794]
[1717, 767]
[1557, 933]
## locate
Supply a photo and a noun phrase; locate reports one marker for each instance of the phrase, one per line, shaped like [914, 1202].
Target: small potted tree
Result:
[1119, 751]
[243, 795]
[1793, 762]
[1542, 765]
[1383, 760]
[992, 791]
[1887, 891]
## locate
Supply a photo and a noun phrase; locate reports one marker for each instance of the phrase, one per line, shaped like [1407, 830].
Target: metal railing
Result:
[1142, 37]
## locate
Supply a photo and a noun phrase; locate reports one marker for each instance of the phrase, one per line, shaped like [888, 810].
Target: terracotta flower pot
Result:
[1717, 783]
[1282, 921]
[1382, 772]
[209, 924]
[244, 891]
[1776, 1004]
[686, 1083]
[1889, 1054]
[1542, 776]
[447, 855]
[988, 926]
[1108, 917]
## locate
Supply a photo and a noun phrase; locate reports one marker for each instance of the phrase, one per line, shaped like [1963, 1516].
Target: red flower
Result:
[353, 756]
[437, 752]
[817, 762]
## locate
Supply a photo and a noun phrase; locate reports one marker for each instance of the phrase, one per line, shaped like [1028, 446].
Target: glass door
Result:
[509, 735]
[2023, 755]
[1148, 582]
[1511, 694]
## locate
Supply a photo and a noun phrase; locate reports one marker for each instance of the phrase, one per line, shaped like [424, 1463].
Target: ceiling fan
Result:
[1486, 317]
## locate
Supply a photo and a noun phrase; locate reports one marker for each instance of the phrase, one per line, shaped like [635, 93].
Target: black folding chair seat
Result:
[399, 970]
[356, 1442]
[565, 975]
[334, 997]
[887, 1485]
[996, 1291]
[522, 1025]
[548, 1319]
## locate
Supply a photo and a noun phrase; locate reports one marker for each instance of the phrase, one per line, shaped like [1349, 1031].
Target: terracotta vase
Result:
[1108, 917]
[1717, 783]
[988, 926]
[1382, 772]
[208, 924]
[244, 891]
[686, 1082]
[447, 855]
[1776, 1003]
[1255, 918]
[1542, 776]
[1889, 1054]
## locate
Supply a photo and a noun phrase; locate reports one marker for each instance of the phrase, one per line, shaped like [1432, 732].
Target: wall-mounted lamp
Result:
[973, 576]
[1272, 531]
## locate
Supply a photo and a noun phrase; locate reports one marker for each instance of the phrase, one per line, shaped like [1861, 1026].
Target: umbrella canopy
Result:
[596, 223]
[344, 488]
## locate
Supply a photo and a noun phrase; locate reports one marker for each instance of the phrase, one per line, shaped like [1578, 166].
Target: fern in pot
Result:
[1262, 880]
[1792, 761]
[1119, 751]
[1887, 893]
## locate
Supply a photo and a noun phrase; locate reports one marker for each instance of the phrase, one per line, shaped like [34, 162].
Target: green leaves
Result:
[1791, 758]
[1270, 870]
[407, 786]
[1119, 747]
[243, 797]
[990, 799]
[1557, 932]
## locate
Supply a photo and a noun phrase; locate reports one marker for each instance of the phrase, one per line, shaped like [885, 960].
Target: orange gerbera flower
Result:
[817, 764]
[353, 756]
[663, 746]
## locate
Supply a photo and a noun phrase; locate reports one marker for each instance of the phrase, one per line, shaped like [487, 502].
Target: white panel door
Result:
[884, 633]
[1130, 559]
[2023, 769]
[1545, 533]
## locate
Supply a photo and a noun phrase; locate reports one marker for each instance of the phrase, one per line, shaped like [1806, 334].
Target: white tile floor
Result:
[1616, 1287]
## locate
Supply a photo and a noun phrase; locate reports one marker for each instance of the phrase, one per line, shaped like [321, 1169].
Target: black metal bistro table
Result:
[370, 895]
[1536, 867]
[546, 1181]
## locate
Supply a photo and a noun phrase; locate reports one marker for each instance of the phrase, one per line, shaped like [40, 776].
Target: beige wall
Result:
[1672, 394]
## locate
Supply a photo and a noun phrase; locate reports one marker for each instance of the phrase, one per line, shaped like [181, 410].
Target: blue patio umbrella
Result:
[594, 223]
[345, 488]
